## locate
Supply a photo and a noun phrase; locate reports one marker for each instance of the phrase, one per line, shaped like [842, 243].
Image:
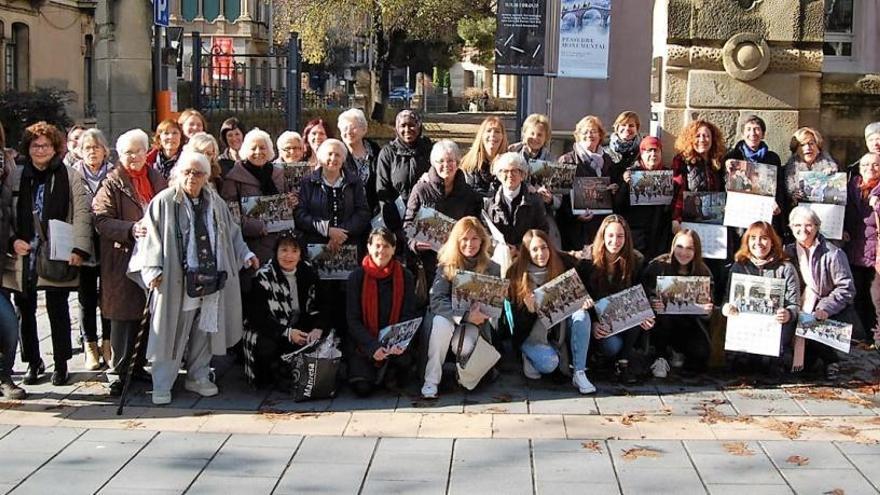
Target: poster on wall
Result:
[519, 37]
[584, 29]
[222, 58]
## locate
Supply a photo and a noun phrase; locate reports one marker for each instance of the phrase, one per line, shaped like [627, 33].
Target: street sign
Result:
[161, 12]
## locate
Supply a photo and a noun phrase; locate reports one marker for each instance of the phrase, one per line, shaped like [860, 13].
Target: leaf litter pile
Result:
[639, 451]
[738, 448]
[592, 446]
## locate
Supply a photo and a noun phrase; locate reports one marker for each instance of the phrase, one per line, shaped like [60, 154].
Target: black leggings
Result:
[684, 334]
[59, 323]
[89, 296]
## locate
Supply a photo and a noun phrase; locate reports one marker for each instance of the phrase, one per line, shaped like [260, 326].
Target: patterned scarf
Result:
[754, 155]
[275, 284]
[370, 292]
[619, 147]
[595, 160]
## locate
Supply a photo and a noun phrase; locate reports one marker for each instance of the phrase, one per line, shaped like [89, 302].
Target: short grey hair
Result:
[256, 134]
[97, 136]
[510, 158]
[187, 157]
[287, 136]
[201, 140]
[442, 148]
[353, 115]
[128, 138]
[324, 149]
[801, 211]
[867, 157]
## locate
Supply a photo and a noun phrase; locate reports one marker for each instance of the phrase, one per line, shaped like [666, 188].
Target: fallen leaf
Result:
[792, 429]
[593, 446]
[836, 491]
[798, 459]
[847, 430]
[132, 424]
[629, 419]
[637, 451]
[503, 397]
[738, 448]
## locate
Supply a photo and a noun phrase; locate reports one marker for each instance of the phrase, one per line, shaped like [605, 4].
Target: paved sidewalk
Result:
[713, 434]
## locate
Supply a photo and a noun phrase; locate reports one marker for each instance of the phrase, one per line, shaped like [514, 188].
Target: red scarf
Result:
[141, 181]
[370, 292]
[866, 186]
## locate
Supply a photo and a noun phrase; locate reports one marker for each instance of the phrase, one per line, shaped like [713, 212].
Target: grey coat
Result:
[441, 291]
[159, 249]
[831, 272]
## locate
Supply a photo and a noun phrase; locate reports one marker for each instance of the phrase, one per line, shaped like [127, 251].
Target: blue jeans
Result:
[545, 358]
[619, 345]
[8, 335]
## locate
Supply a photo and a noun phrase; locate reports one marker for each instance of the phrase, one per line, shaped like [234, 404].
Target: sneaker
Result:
[203, 387]
[676, 359]
[580, 380]
[660, 368]
[429, 391]
[10, 390]
[161, 398]
[832, 371]
[529, 370]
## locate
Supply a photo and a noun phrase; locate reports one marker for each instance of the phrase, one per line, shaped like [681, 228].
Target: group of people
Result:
[150, 231]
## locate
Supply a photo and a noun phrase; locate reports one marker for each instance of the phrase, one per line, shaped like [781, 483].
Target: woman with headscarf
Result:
[48, 191]
[401, 163]
[93, 166]
[118, 208]
[190, 257]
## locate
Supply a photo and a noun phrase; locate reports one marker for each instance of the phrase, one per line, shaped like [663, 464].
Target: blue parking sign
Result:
[161, 12]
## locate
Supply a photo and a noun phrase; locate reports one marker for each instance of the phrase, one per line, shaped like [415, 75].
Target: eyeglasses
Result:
[192, 172]
[510, 171]
[289, 149]
[35, 146]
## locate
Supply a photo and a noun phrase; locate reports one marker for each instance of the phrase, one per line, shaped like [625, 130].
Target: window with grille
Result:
[838, 28]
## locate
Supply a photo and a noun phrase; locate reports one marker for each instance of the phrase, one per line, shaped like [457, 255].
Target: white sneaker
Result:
[161, 398]
[676, 359]
[429, 391]
[529, 370]
[660, 368]
[580, 380]
[203, 387]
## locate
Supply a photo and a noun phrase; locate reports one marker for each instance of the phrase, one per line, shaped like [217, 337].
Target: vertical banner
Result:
[584, 29]
[222, 60]
[519, 37]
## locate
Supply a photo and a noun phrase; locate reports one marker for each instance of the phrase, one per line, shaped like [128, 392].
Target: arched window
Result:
[189, 9]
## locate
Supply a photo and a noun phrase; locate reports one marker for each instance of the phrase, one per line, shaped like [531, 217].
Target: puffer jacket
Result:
[398, 169]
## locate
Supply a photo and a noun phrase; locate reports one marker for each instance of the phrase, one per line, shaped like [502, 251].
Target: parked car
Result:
[401, 93]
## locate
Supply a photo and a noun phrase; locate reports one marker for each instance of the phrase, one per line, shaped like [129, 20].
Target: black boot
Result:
[60, 376]
[34, 370]
[10, 390]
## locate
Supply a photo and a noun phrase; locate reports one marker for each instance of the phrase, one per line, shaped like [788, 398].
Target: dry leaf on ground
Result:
[798, 459]
[738, 448]
[629, 419]
[847, 430]
[792, 429]
[132, 424]
[637, 451]
[836, 491]
[503, 397]
[592, 445]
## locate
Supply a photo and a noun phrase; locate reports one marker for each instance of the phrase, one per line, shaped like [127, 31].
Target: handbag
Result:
[312, 377]
[13, 273]
[472, 368]
[49, 269]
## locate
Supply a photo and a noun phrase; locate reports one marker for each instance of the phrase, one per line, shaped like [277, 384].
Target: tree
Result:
[19, 109]
[478, 33]
[428, 20]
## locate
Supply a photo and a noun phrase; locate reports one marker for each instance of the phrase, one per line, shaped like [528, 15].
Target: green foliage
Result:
[19, 109]
[478, 34]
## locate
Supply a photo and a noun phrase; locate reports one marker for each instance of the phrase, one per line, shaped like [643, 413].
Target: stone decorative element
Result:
[746, 56]
[782, 59]
[869, 84]
[748, 5]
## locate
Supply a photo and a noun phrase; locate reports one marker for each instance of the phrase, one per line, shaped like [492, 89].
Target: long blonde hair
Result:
[450, 256]
[520, 285]
[476, 156]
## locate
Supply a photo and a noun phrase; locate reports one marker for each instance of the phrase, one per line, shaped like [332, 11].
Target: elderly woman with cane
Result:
[118, 207]
[190, 255]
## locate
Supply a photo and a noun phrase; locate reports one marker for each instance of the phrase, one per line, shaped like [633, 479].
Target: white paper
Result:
[493, 230]
[835, 334]
[754, 334]
[742, 210]
[713, 238]
[61, 242]
[584, 38]
[831, 217]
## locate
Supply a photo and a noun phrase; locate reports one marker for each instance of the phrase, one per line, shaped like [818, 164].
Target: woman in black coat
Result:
[284, 311]
[443, 188]
[362, 153]
[513, 210]
[380, 293]
[401, 163]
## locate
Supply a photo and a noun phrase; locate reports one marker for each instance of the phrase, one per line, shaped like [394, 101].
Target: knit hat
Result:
[872, 128]
[649, 142]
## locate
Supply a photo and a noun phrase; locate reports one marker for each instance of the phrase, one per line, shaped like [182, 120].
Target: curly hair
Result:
[43, 128]
[684, 144]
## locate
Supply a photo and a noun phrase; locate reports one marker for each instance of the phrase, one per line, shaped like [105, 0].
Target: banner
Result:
[584, 28]
[222, 59]
[519, 37]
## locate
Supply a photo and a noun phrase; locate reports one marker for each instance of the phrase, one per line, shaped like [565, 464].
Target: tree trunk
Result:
[380, 67]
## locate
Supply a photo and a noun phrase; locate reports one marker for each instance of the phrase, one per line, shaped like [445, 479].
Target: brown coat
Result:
[238, 184]
[117, 207]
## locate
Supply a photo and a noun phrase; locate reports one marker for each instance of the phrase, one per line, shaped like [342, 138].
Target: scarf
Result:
[264, 175]
[596, 160]
[620, 148]
[370, 292]
[94, 179]
[865, 187]
[54, 202]
[759, 263]
[281, 294]
[140, 179]
[754, 155]
[696, 176]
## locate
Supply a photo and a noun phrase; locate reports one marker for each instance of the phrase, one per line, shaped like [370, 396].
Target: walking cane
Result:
[138, 341]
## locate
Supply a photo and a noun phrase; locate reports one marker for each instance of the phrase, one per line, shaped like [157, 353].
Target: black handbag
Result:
[312, 377]
[49, 269]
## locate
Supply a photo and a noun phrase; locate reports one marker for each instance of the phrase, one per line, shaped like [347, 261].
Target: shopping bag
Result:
[472, 367]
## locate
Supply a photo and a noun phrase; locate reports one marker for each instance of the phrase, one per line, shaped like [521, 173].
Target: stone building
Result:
[50, 43]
